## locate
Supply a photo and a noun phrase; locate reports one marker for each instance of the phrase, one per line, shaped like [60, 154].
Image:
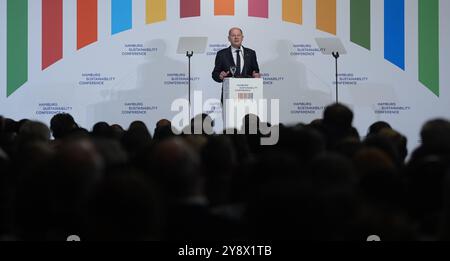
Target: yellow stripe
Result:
[292, 11]
[155, 11]
[326, 15]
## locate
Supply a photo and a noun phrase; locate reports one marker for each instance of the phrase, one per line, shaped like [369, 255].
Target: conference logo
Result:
[156, 11]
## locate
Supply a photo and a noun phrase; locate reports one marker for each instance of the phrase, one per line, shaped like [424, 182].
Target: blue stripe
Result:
[394, 32]
[121, 16]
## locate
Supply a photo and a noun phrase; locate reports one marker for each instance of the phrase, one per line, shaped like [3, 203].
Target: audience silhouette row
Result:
[321, 181]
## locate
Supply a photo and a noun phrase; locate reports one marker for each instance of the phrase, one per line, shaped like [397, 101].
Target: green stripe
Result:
[429, 44]
[360, 22]
[17, 44]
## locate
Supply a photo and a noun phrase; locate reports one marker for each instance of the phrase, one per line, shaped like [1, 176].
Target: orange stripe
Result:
[292, 11]
[223, 7]
[86, 22]
[326, 15]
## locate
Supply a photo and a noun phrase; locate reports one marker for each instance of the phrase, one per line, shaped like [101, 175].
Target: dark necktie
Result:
[238, 62]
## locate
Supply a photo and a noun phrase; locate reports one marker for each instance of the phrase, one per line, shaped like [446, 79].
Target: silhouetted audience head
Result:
[136, 137]
[117, 128]
[336, 125]
[435, 134]
[101, 129]
[117, 131]
[10, 126]
[34, 131]
[376, 127]
[385, 143]
[305, 142]
[62, 124]
[399, 141]
[338, 115]
[163, 123]
[163, 130]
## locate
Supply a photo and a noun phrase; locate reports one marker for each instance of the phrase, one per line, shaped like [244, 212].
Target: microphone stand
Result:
[336, 56]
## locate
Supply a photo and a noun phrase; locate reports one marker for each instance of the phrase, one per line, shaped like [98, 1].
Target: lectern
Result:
[241, 96]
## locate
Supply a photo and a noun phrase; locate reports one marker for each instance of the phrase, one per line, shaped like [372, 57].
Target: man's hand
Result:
[256, 75]
[223, 74]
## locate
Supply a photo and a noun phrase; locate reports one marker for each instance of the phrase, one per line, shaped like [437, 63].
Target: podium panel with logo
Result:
[241, 96]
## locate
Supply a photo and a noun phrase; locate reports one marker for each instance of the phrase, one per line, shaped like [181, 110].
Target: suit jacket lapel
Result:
[246, 60]
[230, 57]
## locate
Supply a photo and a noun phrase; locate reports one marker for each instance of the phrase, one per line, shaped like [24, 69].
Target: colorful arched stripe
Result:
[394, 32]
[429, 44]
[87, 22]
[292, 11]
[156, 11]
[121, 15]
[258, 8]
[52, 32]
[326, 16]
[360, 22]
[224, 7]
[17, 45]
[189, 8]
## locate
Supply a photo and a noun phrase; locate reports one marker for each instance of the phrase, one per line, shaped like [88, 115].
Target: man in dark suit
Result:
[244, 59]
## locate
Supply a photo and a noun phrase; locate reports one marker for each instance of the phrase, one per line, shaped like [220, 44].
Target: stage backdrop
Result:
[116, 60]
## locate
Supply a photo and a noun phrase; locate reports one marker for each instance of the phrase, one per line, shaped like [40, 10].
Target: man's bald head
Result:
[234, 29]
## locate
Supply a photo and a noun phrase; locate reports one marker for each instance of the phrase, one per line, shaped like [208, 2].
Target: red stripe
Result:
[189, 8]
[52, 32]
[258, 8]
[86, 22]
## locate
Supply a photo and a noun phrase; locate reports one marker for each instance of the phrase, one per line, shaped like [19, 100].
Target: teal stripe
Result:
[17, 45]
[429, 44]
[360, 22]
